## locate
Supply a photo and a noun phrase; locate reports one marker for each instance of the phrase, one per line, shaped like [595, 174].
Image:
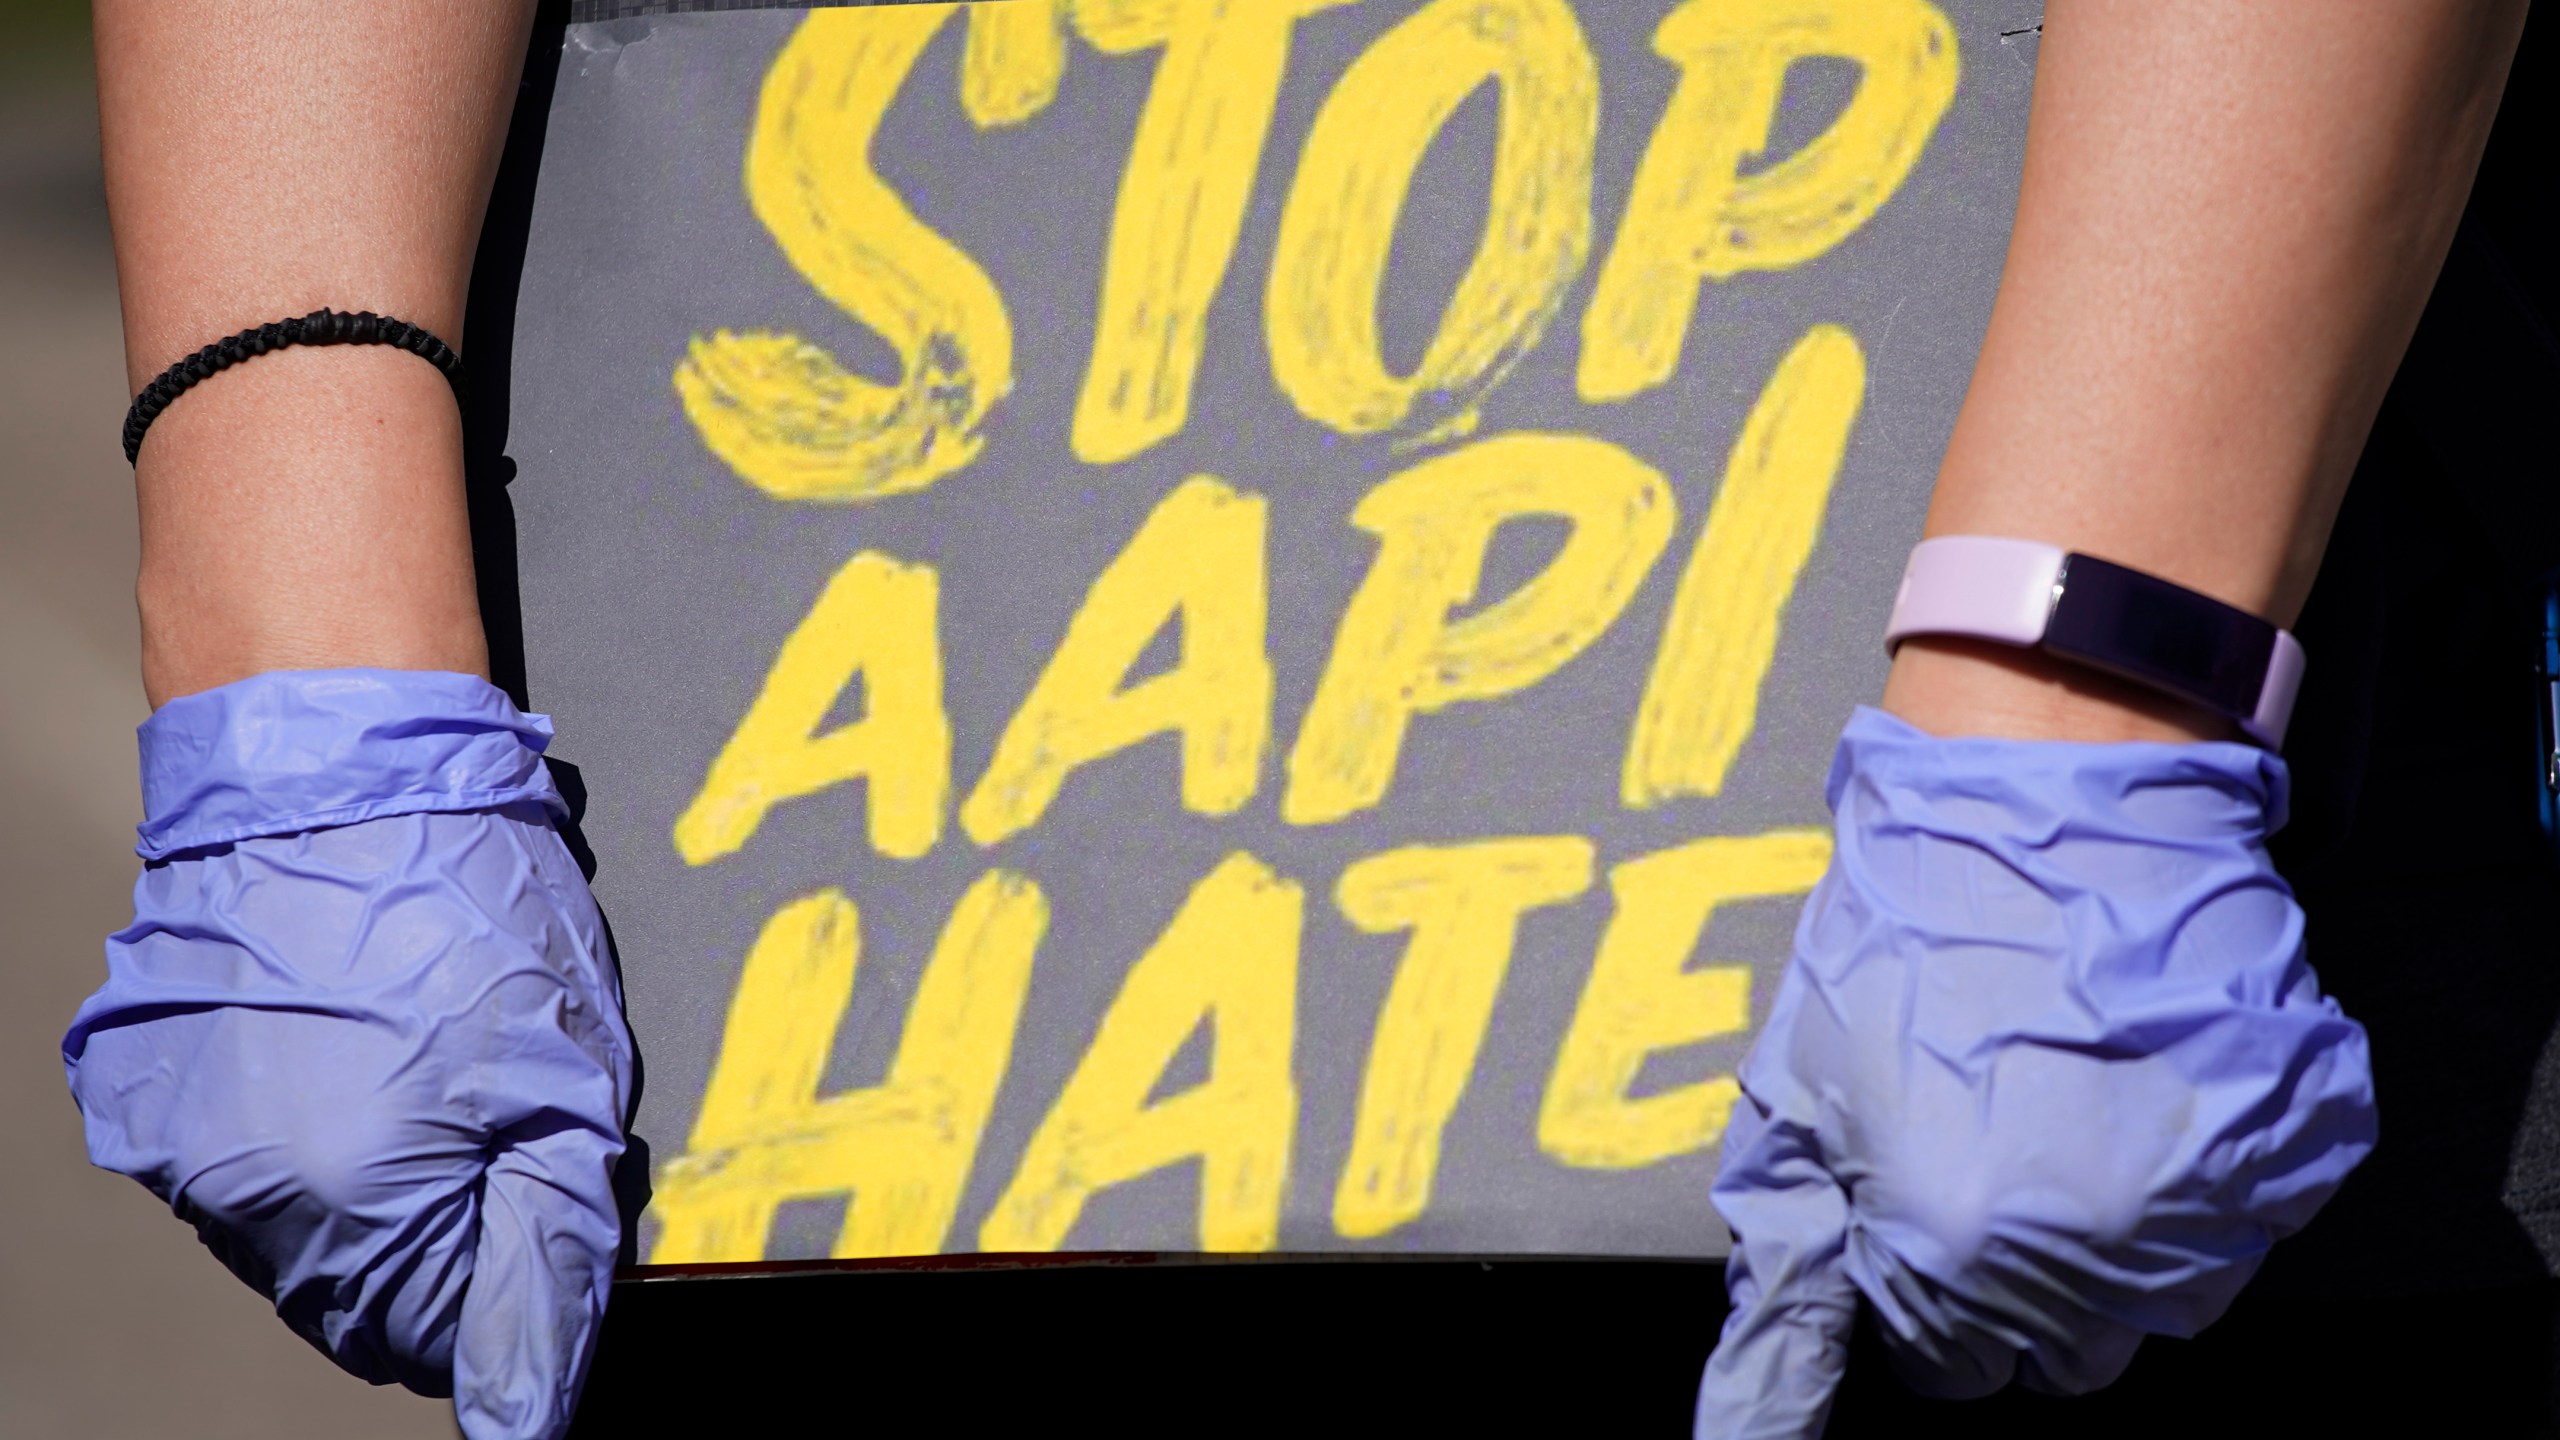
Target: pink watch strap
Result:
[1982, 586]
[1989, 587]
[2275, 701]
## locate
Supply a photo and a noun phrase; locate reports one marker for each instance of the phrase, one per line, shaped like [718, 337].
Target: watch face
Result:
[2164, 635]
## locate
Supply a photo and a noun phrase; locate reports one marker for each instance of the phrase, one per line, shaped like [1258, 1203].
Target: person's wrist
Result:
[1948, 686]
[306, 511]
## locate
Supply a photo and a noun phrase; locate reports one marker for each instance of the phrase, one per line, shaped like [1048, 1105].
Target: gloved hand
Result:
[365, 1034]
[2048, 1073]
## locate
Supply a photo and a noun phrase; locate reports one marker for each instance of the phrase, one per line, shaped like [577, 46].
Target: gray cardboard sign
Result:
[1435, 688]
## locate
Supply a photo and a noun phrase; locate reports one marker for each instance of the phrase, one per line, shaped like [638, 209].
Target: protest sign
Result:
[1216, 624]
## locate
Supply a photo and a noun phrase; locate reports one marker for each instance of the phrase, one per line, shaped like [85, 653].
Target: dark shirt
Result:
[2416, 846]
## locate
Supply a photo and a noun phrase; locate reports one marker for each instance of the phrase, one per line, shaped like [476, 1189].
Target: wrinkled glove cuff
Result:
[297, 750]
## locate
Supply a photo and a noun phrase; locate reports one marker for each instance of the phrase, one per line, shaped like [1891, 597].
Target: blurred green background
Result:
[46, 38]
[114, 1322]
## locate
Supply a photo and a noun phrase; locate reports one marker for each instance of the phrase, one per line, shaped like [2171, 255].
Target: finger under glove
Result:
[538, 1284]
[1786, 1344]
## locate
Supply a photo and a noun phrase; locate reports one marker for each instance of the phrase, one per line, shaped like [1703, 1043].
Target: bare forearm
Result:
[266, 158]
[2230, 219]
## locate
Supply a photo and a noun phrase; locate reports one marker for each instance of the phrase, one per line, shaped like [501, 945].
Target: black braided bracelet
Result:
[320, 327]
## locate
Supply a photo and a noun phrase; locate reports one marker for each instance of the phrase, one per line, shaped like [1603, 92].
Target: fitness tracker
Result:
[2103, 615]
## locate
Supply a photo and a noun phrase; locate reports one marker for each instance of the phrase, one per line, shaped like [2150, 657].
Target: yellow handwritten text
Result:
[1463, 905]
[1016, 56]
[1703, 697]
[1694, 217]
[1321, 309]
[782, 412]
[1229, 960]
[1708, 203]
[901, 1150]
[1398, 653]
[1182, 203]
[876, 619]
[1643, 997]
[1199, 557]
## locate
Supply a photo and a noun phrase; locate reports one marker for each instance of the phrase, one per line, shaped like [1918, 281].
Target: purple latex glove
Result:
[364, 1032]
[2048, 1073]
